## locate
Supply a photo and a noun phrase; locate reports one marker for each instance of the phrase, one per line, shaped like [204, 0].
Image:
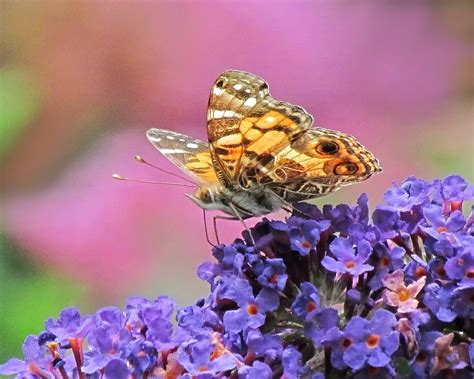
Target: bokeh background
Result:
[80, 82]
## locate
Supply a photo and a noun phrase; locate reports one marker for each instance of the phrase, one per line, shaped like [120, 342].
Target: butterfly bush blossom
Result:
[327, 293]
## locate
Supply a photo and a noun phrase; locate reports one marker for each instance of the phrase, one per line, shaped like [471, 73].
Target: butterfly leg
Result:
[237, 214]
[214, 222]
[288, 207]
[207, 232]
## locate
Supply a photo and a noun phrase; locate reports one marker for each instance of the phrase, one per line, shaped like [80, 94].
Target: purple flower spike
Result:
[422, 362]
[442, 227]
[463, 302]
[305, 234]
[338, 343]
[292, 365]
[307, 303]
[373, 342]
[264, 345]
[410, 193]
[70, 324]
[252, 310]
[455, 188]
[461, 267]
[116, 369]
[205, 355]
[35, 365]
[329, 290]
[347, 260]
[439, 300]
[385, 260]
[273, 274]
[257, 370]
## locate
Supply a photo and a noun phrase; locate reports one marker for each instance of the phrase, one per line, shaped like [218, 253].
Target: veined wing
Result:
[191, 155]
[247, 128]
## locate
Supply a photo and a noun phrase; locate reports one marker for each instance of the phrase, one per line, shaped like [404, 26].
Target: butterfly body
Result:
[262, 154]
[245, 203]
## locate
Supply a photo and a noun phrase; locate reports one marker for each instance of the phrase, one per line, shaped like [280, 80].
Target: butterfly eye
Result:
[327, 148]
[208, 196]
[346, 168]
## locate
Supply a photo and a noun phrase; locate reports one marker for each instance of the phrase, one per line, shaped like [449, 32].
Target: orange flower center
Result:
[441, 271]
[346, 343]
[252, 309]
[442, 229]
[385, 261]
[273, 279]
[311, 306]
[470, 274]
[420, 271]
[350, 264]
[456, 205]
[372, 341]
[306, 244]
[34, 369]
[403, 295]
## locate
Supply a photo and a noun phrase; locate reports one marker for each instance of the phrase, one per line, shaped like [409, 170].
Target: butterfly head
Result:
[208, 198]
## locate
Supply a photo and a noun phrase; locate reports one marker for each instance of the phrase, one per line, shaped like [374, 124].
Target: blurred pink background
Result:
[88, 78]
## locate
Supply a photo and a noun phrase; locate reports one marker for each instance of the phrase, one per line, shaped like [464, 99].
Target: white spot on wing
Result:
[192, 145]
[170, 137]
[238, 86]
[173, 151]
[222, 114]
[250, 102]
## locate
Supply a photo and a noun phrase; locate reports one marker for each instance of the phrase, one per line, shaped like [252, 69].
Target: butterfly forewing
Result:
[189, 154]
[247, 127]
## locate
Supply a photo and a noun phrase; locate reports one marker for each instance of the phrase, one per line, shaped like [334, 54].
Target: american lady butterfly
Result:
[263, 154]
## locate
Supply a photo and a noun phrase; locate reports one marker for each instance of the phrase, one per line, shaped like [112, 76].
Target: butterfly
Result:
[262, 154]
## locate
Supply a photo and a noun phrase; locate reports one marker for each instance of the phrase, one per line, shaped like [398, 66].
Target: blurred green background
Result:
[80, 82]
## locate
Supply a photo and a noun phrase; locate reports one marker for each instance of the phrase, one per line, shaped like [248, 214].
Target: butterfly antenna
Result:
[140, 159]
[120, 177]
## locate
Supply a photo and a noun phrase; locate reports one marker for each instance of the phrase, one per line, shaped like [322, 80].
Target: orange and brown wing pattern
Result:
[317, 161]
[191, 155]
[246, 126]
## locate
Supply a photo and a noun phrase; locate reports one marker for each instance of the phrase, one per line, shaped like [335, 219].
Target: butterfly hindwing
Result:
[317, 161]
[189, 154]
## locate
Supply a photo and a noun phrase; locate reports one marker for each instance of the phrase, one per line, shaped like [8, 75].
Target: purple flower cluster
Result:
[328, 293]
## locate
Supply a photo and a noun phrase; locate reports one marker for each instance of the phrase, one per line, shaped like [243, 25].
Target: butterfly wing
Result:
[316, 162]
[246, 126]
[257, 141]
[191, 155]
